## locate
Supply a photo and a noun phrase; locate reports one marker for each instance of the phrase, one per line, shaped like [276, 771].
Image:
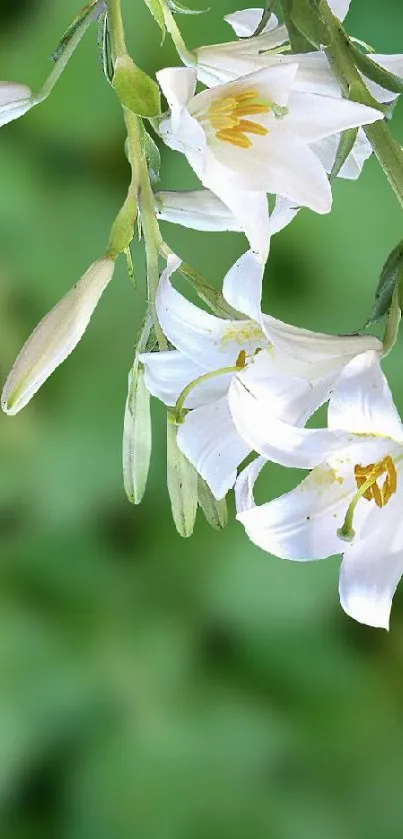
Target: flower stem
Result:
[205, 377]
[341, 56]
[116, 28]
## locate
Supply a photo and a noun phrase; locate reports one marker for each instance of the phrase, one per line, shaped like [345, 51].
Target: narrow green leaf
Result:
[391, 277]
[136, 436]
[182, 484]
[305, 20]
[180, 9]
[375, 72]
[153, 158]
[393, 321]
[157, 13]
[136, 91]
[104, 45]
[215, 512]
[345, 147]
[298, 41]
[72, 30]
[266, 15]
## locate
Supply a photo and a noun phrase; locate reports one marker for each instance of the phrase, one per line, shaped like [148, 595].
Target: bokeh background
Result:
[153, 687]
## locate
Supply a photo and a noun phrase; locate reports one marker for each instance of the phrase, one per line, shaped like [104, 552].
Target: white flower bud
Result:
[55, 337]
[182, 484]
[136, 436]
[15, 100]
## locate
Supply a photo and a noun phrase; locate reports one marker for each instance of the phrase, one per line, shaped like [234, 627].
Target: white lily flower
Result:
[354, 494]
[55, 337]
[245, 22]
[15, 100]
[291, 368]
[253, 136]
[200, 209]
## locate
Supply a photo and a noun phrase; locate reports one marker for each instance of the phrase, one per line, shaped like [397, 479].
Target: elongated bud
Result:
[182, 484]
[15, 101]
[136, 436]
[215, 512]
[55, 337]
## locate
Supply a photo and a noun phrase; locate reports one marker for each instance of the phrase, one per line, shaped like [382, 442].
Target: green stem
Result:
[186, 55]
[116, 27]
[205, 377]
[66, 52]
[341, 56]
[152, 238]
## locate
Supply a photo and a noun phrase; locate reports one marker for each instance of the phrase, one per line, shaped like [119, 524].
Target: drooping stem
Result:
[340, 52]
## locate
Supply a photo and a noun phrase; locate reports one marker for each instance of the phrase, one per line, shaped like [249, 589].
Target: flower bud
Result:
[15, 100]
[136, 436]
[55, 337]
[182, 484]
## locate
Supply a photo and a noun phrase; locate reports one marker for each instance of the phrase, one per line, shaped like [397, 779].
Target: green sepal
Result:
[182, 483]
[375, 72]
[345, 147]
[122, 230]
[136, 91]
[72, 30]
[215, 512]
[157, 13]
[180, 9]
[391, 278]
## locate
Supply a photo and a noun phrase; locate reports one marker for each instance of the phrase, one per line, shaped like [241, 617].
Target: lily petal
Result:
[168, 373]
[362, 402]
[244, 497]
[312, 117]
[339, 7]
[15, 100]
[55, 337]
[242, 286]
[316, 347]
[210, 441]
[301, 525]
[246, 21]
[371, 570]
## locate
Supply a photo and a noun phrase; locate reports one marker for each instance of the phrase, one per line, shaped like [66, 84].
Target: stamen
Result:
[367, 478]
[226, 117]
[178, 411]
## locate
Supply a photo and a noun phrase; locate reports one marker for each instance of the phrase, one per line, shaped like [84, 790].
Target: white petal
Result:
[245, 483]
[272, 83]
[302, 524]
[210, 341]
[280, 165]
[362, 402]
[284, 212]
[210, 441]
[168, 373]
[312, 117]
[15, 100]
[245, 22]
[371, 570]
[326, 150]
[242, 286]
[178, 85]
[339, 7]
[198, 209]
[317, 347]
[55, 337]
[258, 424]
[250, 209]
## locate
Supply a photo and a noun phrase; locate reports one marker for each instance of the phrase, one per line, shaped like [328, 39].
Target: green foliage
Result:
[391, 278]
[135, 89]
[179, 8]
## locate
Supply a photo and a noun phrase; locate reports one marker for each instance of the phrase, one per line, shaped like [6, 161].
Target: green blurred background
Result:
[151, 687]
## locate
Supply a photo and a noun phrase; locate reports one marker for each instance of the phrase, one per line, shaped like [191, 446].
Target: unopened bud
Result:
[136, 436]
[55, 337]
[182, 484]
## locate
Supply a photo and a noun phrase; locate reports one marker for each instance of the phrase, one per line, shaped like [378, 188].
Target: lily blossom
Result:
[292, 369]
[351, 502]
[55, 337]
[253, 136]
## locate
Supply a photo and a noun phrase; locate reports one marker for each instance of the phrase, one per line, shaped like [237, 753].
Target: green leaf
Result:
[72, 30]
[157, 13]
[375, 72]
[180, 9]
[215, 512]
[136, 91]
[104, 45]
[182, 483]
[302, 18]
[345, 147]
[391, 278]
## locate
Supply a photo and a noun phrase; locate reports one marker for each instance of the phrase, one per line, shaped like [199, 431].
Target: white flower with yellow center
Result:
[253, 136]
[350, 503]
[291, 368]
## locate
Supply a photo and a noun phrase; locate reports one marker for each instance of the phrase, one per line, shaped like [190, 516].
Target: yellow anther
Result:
[226, 117]
[373, 472]
[241, 360]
